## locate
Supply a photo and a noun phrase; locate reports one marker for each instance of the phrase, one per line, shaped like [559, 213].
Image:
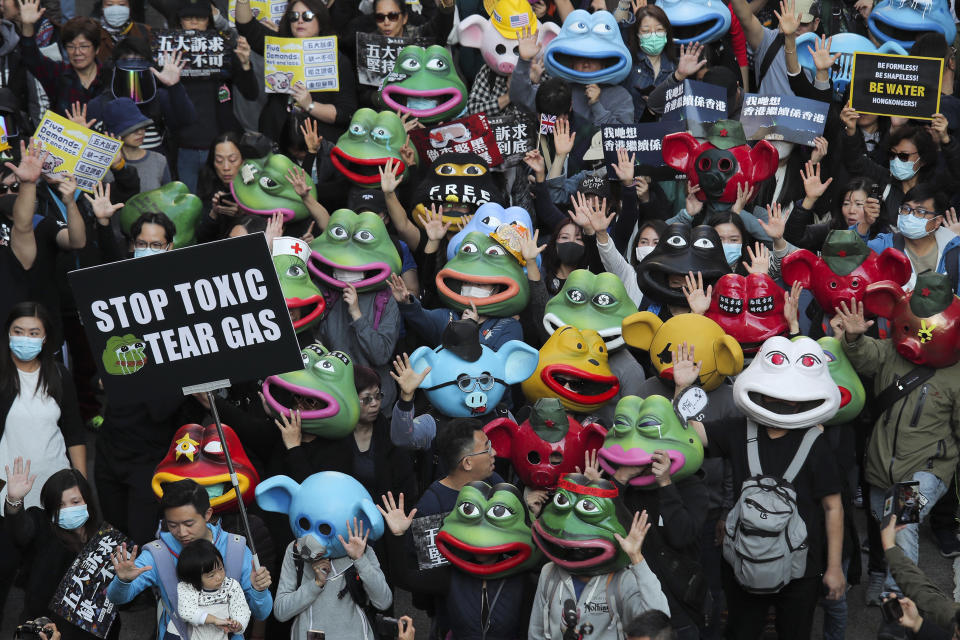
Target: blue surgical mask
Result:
[26, 348]
[902, 170]
[116, 15]
[73, 517]
[732, 253]
[147, 251]
[911, 227]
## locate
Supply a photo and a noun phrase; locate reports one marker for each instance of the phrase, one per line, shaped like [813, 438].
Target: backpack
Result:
[766, 541]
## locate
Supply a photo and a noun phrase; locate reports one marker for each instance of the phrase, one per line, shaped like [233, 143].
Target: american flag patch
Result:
[519, 20]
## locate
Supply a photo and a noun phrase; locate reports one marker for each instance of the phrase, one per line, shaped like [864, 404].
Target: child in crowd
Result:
[123, 119]
[211, 603]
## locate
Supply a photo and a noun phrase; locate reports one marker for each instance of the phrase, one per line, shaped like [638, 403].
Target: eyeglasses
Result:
[487, 451]
[10, 188]
[393, 16]
[902, 156]
[372, 399]
[156, 246]
[919, 212]
[73, 48]
[306, 15]
[468, 383]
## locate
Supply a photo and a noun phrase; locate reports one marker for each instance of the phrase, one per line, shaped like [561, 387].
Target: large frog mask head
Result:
[749, 308]
[595, 37]
[576, 529]
[852, 394]
[591, 301]
[573, 367]
[459, 184]
[371, 140]
[682, 250]
[487, 274]
[488, 533]
[304, 301]
[425, 84]
[355, 248]
[261, 187]
[323, 392]
[788, 385]
[642, 426]
[175, 201]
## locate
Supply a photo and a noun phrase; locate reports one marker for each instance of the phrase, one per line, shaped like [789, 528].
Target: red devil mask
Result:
[748, 308]
[723, 163]
[846, 269]
[923, 323]
[547, 445]
[196, 453]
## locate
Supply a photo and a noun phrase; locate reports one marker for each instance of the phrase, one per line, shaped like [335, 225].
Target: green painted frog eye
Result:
[622, 425]
[469, 247]
[561, 501]
[364, 236]
[358, 129]
[604, 300]
[295, 271]
[339, 233]
[306, 359]
[469, 510]
[410, 64]
[577, 296]
[588, 507]
[499, 512]
[495, 250]
[266, 182]
[324, 365]
[380, 134]
[437, 64]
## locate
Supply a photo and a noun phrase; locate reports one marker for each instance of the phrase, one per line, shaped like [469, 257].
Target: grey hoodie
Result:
[8, 37]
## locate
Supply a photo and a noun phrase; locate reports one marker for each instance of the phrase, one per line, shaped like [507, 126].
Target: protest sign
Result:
[271, 10]
[515, 135]
[695, 103]
[312, 61]
[187, 317]
[424, 531]
[81, 599]
[376, 55]
[644, 141]
[205, 53]
[900, 86]
[75, 149]
[786, 118]
[466, 135]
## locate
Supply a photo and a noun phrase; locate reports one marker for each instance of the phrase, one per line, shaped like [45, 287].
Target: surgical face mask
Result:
[902, 170]
[911, 227]
[653, 43]
[26, 348]
[732, 253]
[73, 517]
[783, 148]
[643, 252]
[570, 253]
[116, 15]
[147, 251]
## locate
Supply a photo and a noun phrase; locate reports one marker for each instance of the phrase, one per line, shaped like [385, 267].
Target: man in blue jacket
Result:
[186, 516]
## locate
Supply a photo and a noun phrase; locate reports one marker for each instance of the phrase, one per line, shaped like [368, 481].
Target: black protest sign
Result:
[424, 530]
[376, 55]
[515, 134]
[644, 142]
[786, 118]
[187, 317]
[900, 86]
[471, 134]
[696, 103]
[81, 599]
[205, 53]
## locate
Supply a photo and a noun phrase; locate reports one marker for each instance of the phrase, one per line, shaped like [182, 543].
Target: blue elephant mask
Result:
[586, 35]
[846, 44]
[696, 20]
[903, 22]
[463, 389]
[321, 507]
[486, 219]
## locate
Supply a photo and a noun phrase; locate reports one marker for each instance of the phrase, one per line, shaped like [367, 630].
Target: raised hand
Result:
[243, 51]
[693, 204]
[409, 122]
[406, 377]
[471, 313]
[819, 152]
[864, 7]
[591, 465]
[744, 195]
[849, 117]
[938, 128]
[791, 307]
[788, 17]
[813, 186]
[398, 288]
[356, 541]
[562, 138]
[31, 161]
[950, 220]
[297, 178]
[290, 429]
[31, 11]
[686, 368]
[388, 176]
[19, 482]
[528, 45]
[698, 299]
[173, 66]
[275, 228]
[407, 153]
[310, 136]
[759, 259]
[125, 564]
[822, 58]
[535, 161]
[689, 62]
[633, 543]
[394, 515]
[529, 248]
[103, 209]
[776, 222]
[301, 96]
[67, 186]
[78, 115]
[535, 499]
[854, 322]
[624, 167]
[434, 225]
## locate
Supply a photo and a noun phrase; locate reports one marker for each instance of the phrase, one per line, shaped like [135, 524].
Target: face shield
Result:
[132, 79]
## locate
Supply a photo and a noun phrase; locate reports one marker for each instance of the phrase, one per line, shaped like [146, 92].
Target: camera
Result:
[34, 629]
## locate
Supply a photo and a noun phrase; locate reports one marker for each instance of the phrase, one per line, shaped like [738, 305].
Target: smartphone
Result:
[876, 192]
[905, 501]
[385, 626]
[312, 634]
[227, 198]
[891, 610]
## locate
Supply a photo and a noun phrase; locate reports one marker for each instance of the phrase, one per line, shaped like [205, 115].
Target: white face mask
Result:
[643, 252]
[116, 15]
[783, 148]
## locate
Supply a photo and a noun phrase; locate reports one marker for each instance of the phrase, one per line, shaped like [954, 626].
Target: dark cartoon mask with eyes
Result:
[681, 250]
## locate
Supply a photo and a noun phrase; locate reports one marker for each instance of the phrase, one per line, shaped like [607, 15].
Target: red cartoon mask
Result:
[748, 308]
[545, 447]
[845, 270]
[923, 323]
[722, 164]
[197, 453]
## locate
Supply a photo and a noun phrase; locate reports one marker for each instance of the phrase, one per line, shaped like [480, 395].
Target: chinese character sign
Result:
[81, 597]
[206, 53]
[263, 10]
[696, 103]
[472, 134]
[310, 61]
[786, 118]
[376, 55]
[75, 149]
[515, 135]
[643, 141]
[424, 531]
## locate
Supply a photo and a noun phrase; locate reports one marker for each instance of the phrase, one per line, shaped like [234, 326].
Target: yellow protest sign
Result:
[311, 61]
[76, 150]
[271, 10]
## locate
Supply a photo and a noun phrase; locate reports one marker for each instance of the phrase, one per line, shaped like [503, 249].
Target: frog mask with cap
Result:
[681, 250]
[323, 392]
[425, 85]
[371, 140]
[488, 532]
[642, 426]
[852, 394]
[487, 219]
[598, 302]
[304, 301]
[788, 385]
[576, 529]
[593, 36]
[175, 201]
[261, 188]
[458, 184]
[356, 249]
[487, 271]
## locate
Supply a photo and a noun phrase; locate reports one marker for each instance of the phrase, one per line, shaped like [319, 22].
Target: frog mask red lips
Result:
[924, 323]
[196, 453]
[721, 164]
[750, 309]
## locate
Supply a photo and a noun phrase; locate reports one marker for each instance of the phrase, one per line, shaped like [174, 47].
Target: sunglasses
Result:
[901, 156]
[9, 188]
[393, 16]
[306, 15]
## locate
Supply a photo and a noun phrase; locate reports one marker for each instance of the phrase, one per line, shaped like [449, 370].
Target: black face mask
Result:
[570, 253]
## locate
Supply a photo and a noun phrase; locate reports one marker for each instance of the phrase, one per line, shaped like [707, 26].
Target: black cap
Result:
[595, 185]
[367, 200]
[462, 337]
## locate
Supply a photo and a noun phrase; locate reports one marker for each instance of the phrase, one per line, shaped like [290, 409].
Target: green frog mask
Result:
[591, 301]
[371, 140]
[852, 394]
[261, 187]
[304, 301]
[485, 273]
[424, 84]
[356, 249]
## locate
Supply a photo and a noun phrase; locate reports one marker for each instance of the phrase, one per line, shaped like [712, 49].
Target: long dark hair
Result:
[926, 148]
[207, 182]
[318, 7]
[747, 238]
[51, 495]
[551, 261]
[49, 381]
[837, 221]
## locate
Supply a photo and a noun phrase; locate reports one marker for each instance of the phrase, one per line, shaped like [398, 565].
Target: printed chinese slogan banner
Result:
[76, 150]
[515, 135]
[310, 61]
[424, 531]
[186, 317]
[644, 141]
[786, 118]
[376, 55]
[271, 10]
[205, 52]
[696, 103]
[466, 135]
[901, 86]
[81, 598]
